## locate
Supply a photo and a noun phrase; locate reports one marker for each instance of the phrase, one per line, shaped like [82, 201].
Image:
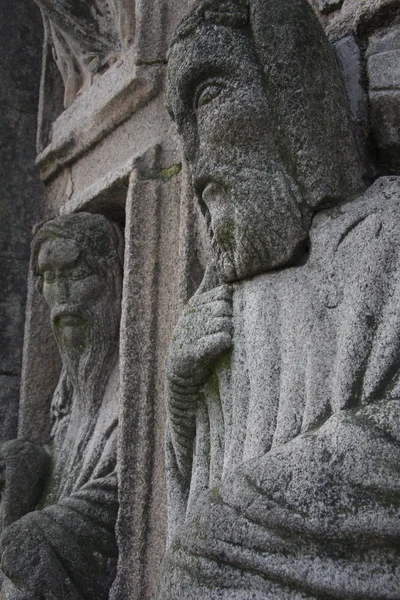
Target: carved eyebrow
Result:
[50, 266]
[180, 99]
[197, 78]
[189, 68]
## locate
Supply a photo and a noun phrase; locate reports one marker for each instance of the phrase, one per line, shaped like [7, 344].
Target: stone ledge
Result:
[361, 17]
[119, 93]
[96, 198]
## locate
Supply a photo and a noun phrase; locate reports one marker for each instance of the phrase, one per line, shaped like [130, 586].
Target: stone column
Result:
[21, 39]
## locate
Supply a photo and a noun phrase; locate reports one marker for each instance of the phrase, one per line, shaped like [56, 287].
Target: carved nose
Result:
[62, 289]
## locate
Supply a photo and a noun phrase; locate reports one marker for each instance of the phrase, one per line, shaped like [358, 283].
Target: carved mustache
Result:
[69, 310]
[225, 175]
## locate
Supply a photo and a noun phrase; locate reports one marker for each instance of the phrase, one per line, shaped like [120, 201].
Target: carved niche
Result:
[283, 375]
[60, 502]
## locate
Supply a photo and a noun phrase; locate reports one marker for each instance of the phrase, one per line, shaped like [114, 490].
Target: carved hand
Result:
[203, 334]
[23, 469]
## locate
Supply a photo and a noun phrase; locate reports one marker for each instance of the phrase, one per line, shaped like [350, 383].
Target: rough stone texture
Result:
[150, 301]
[67, 547]
[361, 17]
[86, 38]
[274, 496]
[20, 34]
[114, 152]
[351, 68]
[327, 6]
[383, 64]
[9, 393]
[12, 308]
[282, 375]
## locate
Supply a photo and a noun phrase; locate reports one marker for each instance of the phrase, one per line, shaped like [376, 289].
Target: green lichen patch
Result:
[171, 171]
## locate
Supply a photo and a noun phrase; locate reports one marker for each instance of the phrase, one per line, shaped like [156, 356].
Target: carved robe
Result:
[295, 486]
[67, 548]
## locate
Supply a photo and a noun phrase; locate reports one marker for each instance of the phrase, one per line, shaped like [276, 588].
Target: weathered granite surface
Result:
[21, 191]
[113, 151]
[86, 38]
[383, 66]
[60, 503]
[282, 376]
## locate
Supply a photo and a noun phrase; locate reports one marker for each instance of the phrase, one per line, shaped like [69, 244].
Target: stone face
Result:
[60, 502]
[299, 153]
[282, 375]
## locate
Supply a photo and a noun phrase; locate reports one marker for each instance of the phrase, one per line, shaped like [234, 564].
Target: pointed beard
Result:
[265, 224]
[88, 364]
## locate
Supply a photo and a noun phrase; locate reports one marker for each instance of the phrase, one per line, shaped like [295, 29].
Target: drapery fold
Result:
[301, 499]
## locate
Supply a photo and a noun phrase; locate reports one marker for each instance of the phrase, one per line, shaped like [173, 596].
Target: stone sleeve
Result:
[67, 550]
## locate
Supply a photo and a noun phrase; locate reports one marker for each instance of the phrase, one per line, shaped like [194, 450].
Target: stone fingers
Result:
[223, 292]
[214, 345]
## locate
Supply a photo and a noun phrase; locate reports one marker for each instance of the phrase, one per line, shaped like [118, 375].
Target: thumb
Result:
[211, 279]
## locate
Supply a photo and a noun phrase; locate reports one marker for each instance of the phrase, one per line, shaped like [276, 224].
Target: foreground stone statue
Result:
[66, 548]
[283, 455]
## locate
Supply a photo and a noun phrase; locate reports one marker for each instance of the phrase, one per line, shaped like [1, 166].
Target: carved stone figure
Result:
[60, 503]
[283, 375]
[86, 37]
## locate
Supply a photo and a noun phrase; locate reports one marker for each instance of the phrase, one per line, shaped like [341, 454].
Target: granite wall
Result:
[22, 193]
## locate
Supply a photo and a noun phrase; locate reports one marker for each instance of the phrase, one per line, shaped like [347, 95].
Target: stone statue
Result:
[86, 38]
[60, 503]
[283, 446]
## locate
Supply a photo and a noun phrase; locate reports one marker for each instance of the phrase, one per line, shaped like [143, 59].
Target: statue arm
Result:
[25, 468]
[202, 336]
[182, 402]
[67, 550]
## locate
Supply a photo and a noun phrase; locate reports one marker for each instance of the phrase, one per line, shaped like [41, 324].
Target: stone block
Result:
[385, 122]
[12, 306]
[384, 70]
[383, 67]
[9, 399]
[350, 62]
[383, 41]
[327, 6]
[361, 17]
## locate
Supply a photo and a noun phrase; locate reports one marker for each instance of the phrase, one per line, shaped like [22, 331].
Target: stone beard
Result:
[78, 261]
[86, 354]
[283, 375]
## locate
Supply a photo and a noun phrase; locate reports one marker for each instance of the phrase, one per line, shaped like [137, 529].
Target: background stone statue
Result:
[283, 375]
[60, 504]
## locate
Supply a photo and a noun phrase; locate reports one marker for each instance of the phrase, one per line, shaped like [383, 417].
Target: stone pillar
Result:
[21, 39]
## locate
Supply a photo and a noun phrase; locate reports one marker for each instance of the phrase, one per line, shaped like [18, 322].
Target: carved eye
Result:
[79, 273]
[206, 93]
[49, 276]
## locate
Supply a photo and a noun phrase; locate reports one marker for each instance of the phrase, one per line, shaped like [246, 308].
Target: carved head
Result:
[78, 261]
[255, 91]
